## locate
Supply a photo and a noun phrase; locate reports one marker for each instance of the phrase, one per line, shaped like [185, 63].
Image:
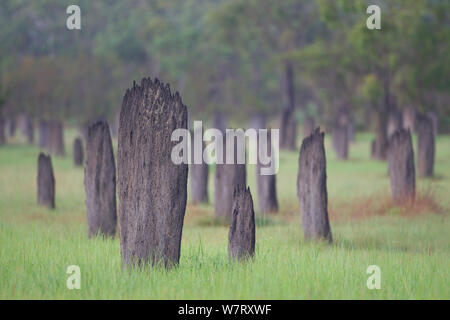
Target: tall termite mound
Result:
[45, 182]
[100, 181]
[241, 236]
[152, 188]
[312, 188]
[401, 167]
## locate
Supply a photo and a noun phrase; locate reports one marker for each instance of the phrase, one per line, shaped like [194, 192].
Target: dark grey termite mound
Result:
[241, 237]
[100, 181]
[312, 188]
[266, 184]
[401, 167]
[78, 153]
[45, 182]
[152, 189]
[425, 146]
[228, 176]
[199, 175]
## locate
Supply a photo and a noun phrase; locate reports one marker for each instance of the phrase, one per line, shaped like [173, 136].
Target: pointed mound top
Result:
[315, 134]
[149, 87]
[43, 156]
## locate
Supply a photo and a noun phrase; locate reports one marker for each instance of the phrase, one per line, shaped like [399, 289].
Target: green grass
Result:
[411, 245]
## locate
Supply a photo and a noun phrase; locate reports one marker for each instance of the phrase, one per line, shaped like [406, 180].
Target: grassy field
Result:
[411, 245]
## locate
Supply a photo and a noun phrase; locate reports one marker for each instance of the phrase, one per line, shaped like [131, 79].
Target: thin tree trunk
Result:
[44, 132]
[425, 146]
[56, 138]
[266, 184]
[227, 178]
[11, 125]
[2, 130]
[435, 121]
[199, 176]
[258, 121]
[288, 127]
[394, 122]
[409, 119]
[381, 142]
[340, 141]
[78, 154]
[308, 127]
[28, 129]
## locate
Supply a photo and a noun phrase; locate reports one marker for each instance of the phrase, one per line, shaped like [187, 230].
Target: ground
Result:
[411, 245]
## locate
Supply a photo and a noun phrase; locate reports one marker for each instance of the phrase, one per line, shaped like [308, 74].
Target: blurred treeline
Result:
[241, 57]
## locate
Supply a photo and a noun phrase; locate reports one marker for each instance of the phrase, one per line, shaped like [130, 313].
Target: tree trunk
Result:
[394, 122]
[340, 141]
[100, 181]
[288, 126]
[45, 182]
[56, 138]
[78, 154]
[401, 167]
[219, 121]
[2, 130]
[28, 129]
[409, 119]
[227, 177]
[373, 149]
[312, 188]
[351, 130]
[425, 146]
[199, 176]
[152, 189]
[241, 237]
[435, 121]
[44, 132]
[266, 184]
[308, 127]
[258, 121]
[381, 143]
[11, 125]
